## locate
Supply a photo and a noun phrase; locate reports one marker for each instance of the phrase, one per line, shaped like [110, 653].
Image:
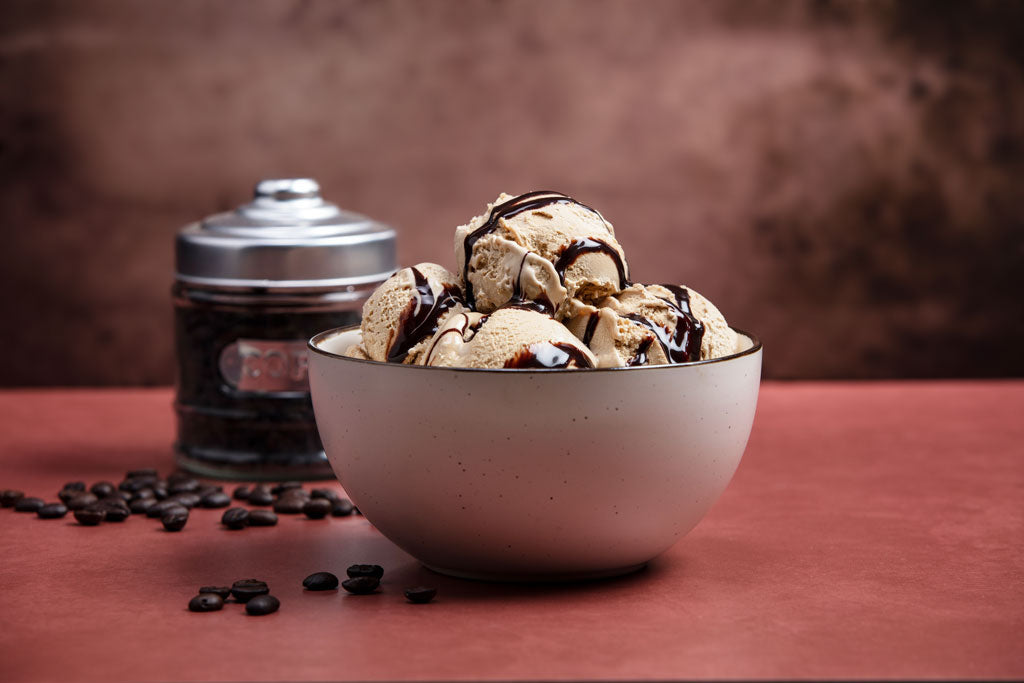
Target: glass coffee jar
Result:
[251, 287]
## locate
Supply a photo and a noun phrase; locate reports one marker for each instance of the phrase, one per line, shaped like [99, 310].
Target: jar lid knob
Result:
[287, 189]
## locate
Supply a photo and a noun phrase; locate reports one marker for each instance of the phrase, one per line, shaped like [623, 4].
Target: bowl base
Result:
[538, 577]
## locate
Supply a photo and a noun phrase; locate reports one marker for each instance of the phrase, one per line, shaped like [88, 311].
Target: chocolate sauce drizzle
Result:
[549, 355]
[462, 331]
[588, 334]
[641, 353]
[513, 207]
[540, 305]
[683, 345]
[578, 248]
[419, 319]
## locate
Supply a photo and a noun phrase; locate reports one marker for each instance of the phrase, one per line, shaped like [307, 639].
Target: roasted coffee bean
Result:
[82, 500]
[52, 511]
[342, 507]
[318, 508]
[186, 500]
[115, 512]
[29, 505]
[262, 518]
[321, 581]
[329, 494]
[241, 492]
[235, 518]
[67, 495]
[102, 489]
[155, 510]
[289, 505]
[176, 477]
[216, 499]
[285, 486]
[160, 491]
[261, 605]
[141, 505]
[123, 495]
[175, 518]
[420, 594]
[261, 496]
[9, 497]
[245, 590]
[205, 602]
[163, 506]
[90, 516]
[223, 591]
[146, 493]
[361, 585]
[136, 484]
[113, 501]
[74, 486]
[374, 570]
[183, 486]
[294, 494]
[147, 472]
[207, 489]
[356, 511]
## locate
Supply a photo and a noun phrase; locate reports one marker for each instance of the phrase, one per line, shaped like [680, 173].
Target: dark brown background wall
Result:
[844, 178]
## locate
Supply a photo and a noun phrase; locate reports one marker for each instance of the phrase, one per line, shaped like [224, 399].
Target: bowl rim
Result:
[316, 339]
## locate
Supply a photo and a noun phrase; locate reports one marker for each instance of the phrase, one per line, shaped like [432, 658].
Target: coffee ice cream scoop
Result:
[510, 337]
[652, 325]
[541, 246]
[405, 311]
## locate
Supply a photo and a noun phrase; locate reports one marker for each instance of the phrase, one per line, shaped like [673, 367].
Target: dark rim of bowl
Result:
[320, 337]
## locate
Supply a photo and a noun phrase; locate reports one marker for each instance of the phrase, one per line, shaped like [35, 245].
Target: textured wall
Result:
[843, 178]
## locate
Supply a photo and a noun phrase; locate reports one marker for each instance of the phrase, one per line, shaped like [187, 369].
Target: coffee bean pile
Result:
[171, 499]
[287, 498]
[364, 579]
[253, 593]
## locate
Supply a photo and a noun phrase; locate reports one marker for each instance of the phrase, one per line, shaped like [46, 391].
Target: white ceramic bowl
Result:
[532, 474]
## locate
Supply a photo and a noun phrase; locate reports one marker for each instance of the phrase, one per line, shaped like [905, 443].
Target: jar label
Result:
[261, 366]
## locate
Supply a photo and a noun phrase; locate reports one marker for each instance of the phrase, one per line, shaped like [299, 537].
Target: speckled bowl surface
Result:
[532, 474]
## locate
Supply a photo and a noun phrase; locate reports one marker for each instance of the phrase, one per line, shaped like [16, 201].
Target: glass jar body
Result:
[242, 394]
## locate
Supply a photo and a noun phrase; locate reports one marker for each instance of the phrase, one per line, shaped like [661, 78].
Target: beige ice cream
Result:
[403, 313]
[507, 338]
[541, 283]
[652, 325]
[541, 246]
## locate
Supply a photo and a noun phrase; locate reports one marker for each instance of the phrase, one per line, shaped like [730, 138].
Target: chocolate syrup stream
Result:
[641, 353]
[549, 355]
[419, 319]
[513, 207]
[683, 345]
[589, 246]
[461, 331]
[541, 305]
[588, 334]
[694, 328]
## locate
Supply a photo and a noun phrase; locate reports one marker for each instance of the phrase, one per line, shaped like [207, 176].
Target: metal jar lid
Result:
[287, 237]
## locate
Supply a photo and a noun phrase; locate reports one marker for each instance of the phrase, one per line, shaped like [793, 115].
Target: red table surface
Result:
[873, 530]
